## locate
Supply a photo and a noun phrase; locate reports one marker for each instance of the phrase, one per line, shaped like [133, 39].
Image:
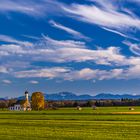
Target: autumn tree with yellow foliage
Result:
[38, 102]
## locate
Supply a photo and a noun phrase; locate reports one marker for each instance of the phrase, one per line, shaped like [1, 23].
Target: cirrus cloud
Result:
[74, 33]
[67, 51]
[6, 81]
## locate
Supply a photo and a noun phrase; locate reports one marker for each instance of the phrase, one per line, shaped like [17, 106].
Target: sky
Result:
[85, 47]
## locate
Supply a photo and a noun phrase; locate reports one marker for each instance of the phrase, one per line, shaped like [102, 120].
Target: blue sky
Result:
[85, 47]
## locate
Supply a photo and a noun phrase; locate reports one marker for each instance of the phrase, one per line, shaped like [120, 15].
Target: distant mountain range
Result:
[72, 96]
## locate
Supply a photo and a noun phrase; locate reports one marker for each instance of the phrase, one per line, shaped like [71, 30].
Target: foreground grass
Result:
[70, 124]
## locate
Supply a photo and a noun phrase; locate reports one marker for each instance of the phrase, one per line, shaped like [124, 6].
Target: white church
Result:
[23, 105]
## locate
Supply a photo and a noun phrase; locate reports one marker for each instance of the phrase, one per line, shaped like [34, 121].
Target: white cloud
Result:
[17, 56]
[116, 32]
[8, 39]
[119, 33]
[133, 72]
[64, 51]
[18, 6]
[134, 47]
[6, 81]
[74, 33]
[104, 15]
[93, 74]
[68, 51]
[11, 49]
[33, 82]
[52, 43]
[108, 14]
[75, 52]
[83, 74]
[70, 74]
[47, 72]
[18, 61]
[3, 69]
[31, 8]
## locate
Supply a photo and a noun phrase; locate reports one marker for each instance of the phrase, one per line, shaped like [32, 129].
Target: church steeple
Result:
[26, 95]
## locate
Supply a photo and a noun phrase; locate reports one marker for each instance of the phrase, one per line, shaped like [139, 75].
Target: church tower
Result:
[26, 104]
[26, 95]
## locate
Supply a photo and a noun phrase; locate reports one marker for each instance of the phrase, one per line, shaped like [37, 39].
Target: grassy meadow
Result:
[105, 123]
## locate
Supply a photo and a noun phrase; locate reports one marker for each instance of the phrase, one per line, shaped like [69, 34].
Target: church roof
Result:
[26, 92]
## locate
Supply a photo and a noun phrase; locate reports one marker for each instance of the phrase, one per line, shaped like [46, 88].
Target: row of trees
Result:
[98, 103]
[38, 103]
[7, 103]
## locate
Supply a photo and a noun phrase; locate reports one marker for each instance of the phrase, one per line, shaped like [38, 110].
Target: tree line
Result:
[91, 103]
[39, 103]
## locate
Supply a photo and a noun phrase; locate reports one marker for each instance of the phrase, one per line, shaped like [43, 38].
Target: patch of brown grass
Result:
[127, 113]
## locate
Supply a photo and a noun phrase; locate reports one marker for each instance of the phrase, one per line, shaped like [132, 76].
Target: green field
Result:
[71, 124]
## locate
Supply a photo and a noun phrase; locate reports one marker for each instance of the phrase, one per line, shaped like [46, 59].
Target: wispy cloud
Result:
[8, 39]
[116, 32]
[104, 13]
[6, 81]
[52, 43]
[121, 34]
[33, 82]
[69, 74]
[115, 18]
[83, 74]
[33, 8]
[134, 47]
[47, 72]
[73, 32]
[93, 74]
[63, 51]
[67, 51]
